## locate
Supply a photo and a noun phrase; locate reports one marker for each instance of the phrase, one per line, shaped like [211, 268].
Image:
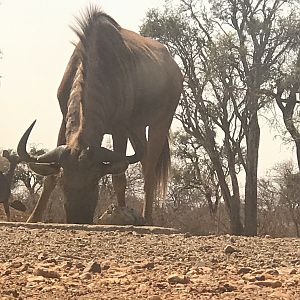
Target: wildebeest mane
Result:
[85, 22]
[105, 62]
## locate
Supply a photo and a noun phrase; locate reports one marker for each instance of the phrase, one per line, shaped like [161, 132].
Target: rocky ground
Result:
[105, 262]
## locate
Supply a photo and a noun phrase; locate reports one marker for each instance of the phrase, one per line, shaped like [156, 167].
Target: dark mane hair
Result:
[87, 19]
[103, 58]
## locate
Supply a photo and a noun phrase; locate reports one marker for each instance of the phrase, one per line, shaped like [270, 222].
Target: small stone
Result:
[296, 262]
[227, 287]
[232, 239]
[13, 293]
[187, 235]
[154, 298]
[93, 267]
[51, 261]
[293, 272]
[35, 278]
[24, 267]
[272, 272]
[105, 265]
[79, 265]
[176, 278]
[74, 284]
[42, 256]
[272, 284]
[260, 277]
[280, 295]
[6, 272]
[248, 277]
[47, 289]
[46, 273]
[244, 270]
[86, 276]
[229, 249]
[145, 265]
[292, 282]
[67, 265]
[160, 285]
[16, 264]
[258, 272]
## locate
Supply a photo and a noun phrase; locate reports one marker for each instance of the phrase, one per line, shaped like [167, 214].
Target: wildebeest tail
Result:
[162, 170]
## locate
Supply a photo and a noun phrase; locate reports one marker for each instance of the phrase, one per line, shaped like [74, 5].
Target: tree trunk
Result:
[232, 202]
[236, 226]
[253, 138]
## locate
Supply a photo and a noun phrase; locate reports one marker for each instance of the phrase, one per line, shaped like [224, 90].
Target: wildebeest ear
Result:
[114, 168]
[44, 169]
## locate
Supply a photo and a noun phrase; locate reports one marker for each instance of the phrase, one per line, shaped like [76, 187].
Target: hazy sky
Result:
[35, 41]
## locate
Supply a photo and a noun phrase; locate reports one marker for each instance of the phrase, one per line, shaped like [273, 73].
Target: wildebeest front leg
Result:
[48, 185]
[119, 180]
[41, 206]
[6, 209]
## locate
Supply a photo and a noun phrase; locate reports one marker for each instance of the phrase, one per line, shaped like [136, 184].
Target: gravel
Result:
[44, 261]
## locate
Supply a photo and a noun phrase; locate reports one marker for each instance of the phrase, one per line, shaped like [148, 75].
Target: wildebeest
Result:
[6, 182]
[116, 82]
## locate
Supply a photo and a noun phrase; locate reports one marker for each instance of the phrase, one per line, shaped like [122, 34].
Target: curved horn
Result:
[54, 156]
[44, 169]
[21, 150]
[46, 164]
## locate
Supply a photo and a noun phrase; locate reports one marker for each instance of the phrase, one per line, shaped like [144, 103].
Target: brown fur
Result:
[116, 82]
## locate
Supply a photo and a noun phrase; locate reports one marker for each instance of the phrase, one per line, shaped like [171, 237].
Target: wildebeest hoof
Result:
[116, 215]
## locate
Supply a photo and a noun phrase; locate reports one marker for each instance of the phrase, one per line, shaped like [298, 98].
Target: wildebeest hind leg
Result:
[155, 164]
[41, 206]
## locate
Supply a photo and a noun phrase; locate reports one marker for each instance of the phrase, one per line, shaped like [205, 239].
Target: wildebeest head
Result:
[81, 171]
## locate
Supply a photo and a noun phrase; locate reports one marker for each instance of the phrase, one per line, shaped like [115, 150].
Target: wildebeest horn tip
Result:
[21, 149]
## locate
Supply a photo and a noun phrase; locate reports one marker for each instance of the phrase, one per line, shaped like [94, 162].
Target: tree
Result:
[279, 203]
[194, 180]
[286, 91]
[203, 100]
[288, 182]
[227, 53]
[24, 176]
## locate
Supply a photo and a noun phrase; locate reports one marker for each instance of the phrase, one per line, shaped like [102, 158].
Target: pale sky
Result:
[35, 40]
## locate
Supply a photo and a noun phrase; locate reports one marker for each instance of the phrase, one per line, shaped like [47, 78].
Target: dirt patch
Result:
[54, 261]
